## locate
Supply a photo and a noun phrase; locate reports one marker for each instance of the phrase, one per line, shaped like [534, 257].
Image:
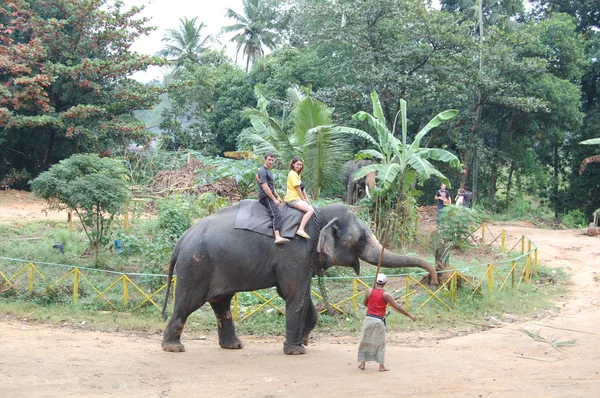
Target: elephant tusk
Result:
[368, 193]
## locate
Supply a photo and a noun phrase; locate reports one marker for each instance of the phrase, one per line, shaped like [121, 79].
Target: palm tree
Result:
[589, 159]
[253, 30]
[312, 136]
[186, 42]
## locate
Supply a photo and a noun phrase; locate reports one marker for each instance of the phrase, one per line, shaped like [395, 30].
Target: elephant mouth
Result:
[356, 266]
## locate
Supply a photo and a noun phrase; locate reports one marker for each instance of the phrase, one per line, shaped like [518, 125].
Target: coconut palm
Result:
[312, 136]
[186, 42]
[589, 159]
[253, 30]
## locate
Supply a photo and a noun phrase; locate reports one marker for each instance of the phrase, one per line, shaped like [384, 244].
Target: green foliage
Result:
[575, 219]
[174, 215]
[209, 203]
[205, 107]
[65, 79]
[311, 135]
[186, 42]
[255, 29]
[94, 188]
[399, 165]
[243, 173]
[523, 208]
[457, 224]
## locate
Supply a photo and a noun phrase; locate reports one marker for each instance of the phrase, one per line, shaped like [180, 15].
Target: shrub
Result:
[575, 219]
[94, 188]
[457, 224]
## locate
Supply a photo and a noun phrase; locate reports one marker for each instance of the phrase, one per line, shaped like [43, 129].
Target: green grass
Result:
[33, 241]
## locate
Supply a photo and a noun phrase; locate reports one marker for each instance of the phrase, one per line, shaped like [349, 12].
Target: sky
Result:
[165, 14]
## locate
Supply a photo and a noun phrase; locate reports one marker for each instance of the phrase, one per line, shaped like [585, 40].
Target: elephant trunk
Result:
[372, 253]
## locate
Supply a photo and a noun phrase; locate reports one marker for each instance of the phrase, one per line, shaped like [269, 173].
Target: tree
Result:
[400, 162]
[254, 29]
[95, 188]
[186, 42]
[65, 80]
[206, 103]
[311, 135]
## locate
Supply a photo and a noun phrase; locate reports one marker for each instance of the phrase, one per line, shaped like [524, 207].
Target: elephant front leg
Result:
[294, 327]
[227, 336]
[310, 321]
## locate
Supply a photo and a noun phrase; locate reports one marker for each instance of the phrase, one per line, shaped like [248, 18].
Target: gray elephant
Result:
[357, 190]
[214, 261]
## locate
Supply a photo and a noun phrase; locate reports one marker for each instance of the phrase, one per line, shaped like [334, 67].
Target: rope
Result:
[315, 269]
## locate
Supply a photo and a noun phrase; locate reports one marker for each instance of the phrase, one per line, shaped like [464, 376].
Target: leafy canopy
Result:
[400, 161]
[95, 188]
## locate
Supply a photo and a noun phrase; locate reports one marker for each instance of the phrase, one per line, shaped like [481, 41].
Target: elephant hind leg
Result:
[172, 333]
[222, 308]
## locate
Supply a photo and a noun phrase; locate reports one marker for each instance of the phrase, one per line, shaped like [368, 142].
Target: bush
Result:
[95, 188]
[457, 224]
[575, 219]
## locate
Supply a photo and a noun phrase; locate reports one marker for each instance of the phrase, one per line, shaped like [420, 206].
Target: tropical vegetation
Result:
[524, 82]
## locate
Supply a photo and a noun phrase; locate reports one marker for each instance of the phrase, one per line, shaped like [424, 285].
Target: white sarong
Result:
[372, 341]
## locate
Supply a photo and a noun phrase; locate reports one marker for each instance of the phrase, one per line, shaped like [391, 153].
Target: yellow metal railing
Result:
[112, 287]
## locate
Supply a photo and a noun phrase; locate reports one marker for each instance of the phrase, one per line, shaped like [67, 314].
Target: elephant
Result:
[357, 190]
[214, 260]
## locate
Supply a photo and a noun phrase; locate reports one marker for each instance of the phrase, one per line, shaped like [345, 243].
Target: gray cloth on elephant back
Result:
[372, 341]
[254, 217]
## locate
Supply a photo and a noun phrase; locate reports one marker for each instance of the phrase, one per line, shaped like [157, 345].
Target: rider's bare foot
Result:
[361, 366]
[383, 368]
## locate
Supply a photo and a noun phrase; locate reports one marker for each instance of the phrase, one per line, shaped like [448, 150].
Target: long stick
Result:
[382, 250]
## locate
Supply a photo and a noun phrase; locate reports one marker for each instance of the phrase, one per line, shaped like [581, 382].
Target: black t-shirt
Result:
[264, 175]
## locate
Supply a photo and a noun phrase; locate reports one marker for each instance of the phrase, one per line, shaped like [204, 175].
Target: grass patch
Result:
[33, 241]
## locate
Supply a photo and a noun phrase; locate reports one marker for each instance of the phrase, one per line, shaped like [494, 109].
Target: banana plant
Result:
[400, 162]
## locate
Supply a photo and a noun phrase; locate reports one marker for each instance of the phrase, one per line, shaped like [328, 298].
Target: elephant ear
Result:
[326, 243]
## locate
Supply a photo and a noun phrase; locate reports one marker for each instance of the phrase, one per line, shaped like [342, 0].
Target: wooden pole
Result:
[385, 236]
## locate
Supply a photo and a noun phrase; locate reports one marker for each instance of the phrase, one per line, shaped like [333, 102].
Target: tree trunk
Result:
[555, 188]
[46, 159]
[509, 183]
[493, 181]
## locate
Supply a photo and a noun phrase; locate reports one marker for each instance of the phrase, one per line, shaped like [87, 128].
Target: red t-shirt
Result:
[376, 304]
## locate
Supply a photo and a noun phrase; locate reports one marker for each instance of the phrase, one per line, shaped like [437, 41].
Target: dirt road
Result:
[42, 361]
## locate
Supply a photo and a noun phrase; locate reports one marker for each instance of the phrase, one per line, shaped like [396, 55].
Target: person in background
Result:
[442, 196]
[268, 197]
[372, 337]
[466, 195]
[296, 197]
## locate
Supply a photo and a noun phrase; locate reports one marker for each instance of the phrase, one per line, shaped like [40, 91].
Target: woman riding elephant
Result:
[212, 269]
[296, 196]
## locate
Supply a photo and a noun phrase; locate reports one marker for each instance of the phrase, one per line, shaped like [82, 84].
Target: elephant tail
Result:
[170, 278]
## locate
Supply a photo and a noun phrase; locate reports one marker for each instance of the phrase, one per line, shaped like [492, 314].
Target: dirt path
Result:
[42, 361]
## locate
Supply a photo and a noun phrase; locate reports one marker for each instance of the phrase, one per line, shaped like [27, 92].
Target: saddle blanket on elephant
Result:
[372, 341]
[254, 217]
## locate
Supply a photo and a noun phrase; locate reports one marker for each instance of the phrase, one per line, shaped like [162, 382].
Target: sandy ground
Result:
[42, 361]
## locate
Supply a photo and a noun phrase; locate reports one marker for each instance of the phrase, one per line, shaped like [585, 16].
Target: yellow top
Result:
[293, 181]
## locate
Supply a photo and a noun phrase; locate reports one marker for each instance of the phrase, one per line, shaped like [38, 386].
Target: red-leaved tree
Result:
[65, 80]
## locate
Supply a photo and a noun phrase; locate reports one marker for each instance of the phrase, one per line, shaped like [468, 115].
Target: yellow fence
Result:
[134, 291]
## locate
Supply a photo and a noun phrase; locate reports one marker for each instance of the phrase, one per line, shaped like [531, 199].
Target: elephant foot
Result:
[304, 341]
[232, 345]
[289, 349]
[173, 347]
